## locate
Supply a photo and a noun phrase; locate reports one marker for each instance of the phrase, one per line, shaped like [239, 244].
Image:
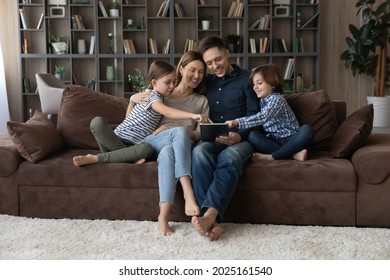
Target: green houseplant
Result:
[58, 71]
[367, 53]
[58, 44]
[233, 41]
[137, 81]
[114, 9]
[205, 17]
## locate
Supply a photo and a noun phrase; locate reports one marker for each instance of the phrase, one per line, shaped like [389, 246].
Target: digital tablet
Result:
[210, 131]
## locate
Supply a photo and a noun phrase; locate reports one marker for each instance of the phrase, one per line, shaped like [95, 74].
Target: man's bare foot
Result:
[191, 207]
[84, 160]
[301, 155]
[202, 224]
[215, 232]
[164, 227]
[260, 156]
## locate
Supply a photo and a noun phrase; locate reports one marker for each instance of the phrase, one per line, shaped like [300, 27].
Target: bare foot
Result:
[301, 155]
[164, 227]
[202, 224]
[140, 161]
[191, 207]
[215, 232]
[84, 160]
[259, 156]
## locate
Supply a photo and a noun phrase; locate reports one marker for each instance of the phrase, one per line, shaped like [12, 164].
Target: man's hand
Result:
[232, 139]
[158, 130]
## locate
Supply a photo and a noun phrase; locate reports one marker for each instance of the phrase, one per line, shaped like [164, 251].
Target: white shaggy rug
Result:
[64, 239]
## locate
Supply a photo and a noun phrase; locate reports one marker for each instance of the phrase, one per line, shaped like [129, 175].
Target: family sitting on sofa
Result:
[136, 137]
[49, 171]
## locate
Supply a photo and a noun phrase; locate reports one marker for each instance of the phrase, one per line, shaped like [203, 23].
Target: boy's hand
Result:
[232, 123]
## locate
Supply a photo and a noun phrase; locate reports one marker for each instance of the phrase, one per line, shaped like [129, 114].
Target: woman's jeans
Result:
[174, 159]
[112, 148]
[216, 170]
[281, 148]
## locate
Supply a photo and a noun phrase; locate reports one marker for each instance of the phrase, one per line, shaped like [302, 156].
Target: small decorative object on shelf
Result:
[130, 24]
[81, 47]
[56, 10]
[58, 71]
[298, 19]
[59, 46]
[110, 38]
[206, 18]
[114, 9]
[110, 73]
[282, 8]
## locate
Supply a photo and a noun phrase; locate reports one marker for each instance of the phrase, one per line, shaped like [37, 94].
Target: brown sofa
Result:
[344, 182]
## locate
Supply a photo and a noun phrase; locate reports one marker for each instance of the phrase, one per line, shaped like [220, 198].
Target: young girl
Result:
[126, 142]
[280, 136]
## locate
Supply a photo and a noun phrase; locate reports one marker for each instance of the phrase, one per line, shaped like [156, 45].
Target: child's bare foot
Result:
[84, 160]
[301, 155]
[191, 207]
[202, 224]
[142, 160]
[164, 227]
[215, 232]
[260, 156]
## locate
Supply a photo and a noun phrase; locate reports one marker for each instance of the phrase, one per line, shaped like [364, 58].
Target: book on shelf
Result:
[92, 45]
[310, 20]
[164, 9]
[252, 45]
[179, 8]
[40, 20]
[26, 85]
[289, 69]
[202, 2]
[261, 23]
[103, 9]
[23, 18]
[264, 45]
[190, 44]
[299, 45]
[79, 22]
[129, 46]
[153, 46]
[278, 46]
[236, 9]
[167, 45]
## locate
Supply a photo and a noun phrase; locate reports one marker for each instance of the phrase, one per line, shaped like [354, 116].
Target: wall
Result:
[335, 79]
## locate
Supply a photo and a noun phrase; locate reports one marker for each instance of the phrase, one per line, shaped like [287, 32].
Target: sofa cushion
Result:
[79, 106]
[36, 138]
[352, 133]
[317, 110]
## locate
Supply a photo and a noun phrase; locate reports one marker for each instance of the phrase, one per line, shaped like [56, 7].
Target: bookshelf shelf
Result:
[81, 68]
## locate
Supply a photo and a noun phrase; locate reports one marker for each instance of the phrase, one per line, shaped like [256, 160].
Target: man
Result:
[217, 166]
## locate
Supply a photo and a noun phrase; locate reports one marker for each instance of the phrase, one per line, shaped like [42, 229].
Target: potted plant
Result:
[233, 41]
[137, 81]
[367, 53]
[58, 43]
[114, 9]
[58, 71]
[205, 17]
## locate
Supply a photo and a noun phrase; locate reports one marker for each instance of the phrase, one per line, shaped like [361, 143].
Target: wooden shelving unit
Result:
[146, 24]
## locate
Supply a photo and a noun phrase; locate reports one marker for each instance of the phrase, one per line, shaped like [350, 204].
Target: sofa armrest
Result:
[9, 157]
[372, 161]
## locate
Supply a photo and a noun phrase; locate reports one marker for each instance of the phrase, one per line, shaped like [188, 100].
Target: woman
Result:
[187, 95]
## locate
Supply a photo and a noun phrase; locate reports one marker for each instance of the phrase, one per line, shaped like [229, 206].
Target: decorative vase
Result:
[114, 12]
[110, 73]
[81, 48]
[205, 24]
[58, 76]
[59, 47]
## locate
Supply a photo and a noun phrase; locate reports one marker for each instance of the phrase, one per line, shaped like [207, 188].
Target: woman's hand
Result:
[140, 97]
[201, 118]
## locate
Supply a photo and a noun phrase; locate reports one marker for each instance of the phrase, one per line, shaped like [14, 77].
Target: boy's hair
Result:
[211, 42]
[186, 59]
[271, 75]
[159, 69]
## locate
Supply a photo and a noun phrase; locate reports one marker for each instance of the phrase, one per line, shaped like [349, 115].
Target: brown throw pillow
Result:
[36, 138]
[316, 109]
[79, 106]
[352, 133]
